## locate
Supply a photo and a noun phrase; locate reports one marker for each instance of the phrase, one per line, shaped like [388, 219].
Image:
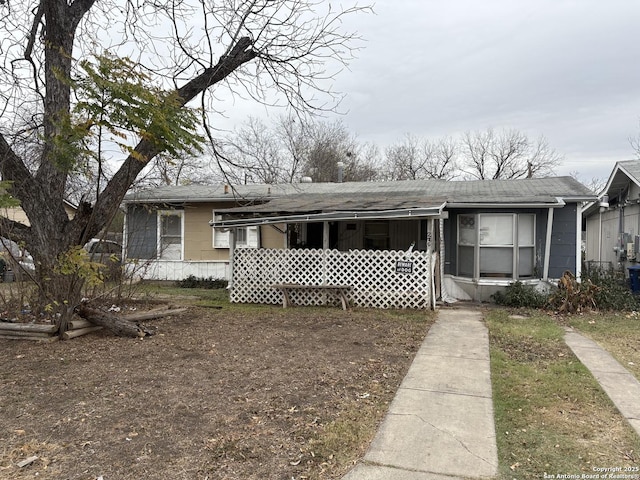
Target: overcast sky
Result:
[565, 69]
[568, 70]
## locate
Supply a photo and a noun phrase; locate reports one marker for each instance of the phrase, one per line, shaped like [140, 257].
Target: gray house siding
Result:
[562, 255]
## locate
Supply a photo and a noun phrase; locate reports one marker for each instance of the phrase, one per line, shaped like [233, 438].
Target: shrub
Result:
[210, 283]
[520, 295]
[613, 292]
[572, 297]
[601, 289]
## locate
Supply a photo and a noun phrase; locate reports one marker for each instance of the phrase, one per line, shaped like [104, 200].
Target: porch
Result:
[378, 279]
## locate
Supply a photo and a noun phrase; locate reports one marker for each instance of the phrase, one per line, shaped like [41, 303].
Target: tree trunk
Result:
[115, 323]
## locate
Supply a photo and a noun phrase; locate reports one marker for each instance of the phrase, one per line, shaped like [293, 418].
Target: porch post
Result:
[232, 250]
[431, 235]
[325, 235]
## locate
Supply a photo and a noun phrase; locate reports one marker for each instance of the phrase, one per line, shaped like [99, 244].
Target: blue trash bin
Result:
[634, 278]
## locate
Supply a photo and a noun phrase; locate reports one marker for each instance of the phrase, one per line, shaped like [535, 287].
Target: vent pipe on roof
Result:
[340, 171]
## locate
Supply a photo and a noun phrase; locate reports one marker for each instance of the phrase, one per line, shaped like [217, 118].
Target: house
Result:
[18, 215]
[167, 234]
[612, 222]
[15, 257]
[398, 244]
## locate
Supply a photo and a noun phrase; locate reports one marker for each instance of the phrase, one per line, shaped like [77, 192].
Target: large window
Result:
[170, 235]
[500, 245]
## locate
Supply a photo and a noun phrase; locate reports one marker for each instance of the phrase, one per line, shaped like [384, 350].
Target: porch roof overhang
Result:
[547, 202]
[320, 208]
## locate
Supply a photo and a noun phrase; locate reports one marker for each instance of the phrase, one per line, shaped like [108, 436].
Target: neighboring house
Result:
[12, 254]
[17, 214]
[613, 221]
[416, 239]
[167, 234]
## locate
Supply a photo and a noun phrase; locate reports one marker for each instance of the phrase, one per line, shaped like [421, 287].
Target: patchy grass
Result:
[241, 392]
[551, 415]
[618, 333]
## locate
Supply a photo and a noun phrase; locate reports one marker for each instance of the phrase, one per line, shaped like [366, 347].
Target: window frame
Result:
[466, 248]
[160, 250]
[220, 238]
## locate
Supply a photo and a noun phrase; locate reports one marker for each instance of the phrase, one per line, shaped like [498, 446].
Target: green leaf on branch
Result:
[116, 102]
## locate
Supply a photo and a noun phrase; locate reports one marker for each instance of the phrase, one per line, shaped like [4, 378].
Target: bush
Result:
[613, 292]
[209, 283]
[601, 289]
[520, 295]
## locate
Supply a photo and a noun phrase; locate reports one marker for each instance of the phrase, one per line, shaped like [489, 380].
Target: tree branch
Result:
[12, 167]
[19, 231]
[115, 190]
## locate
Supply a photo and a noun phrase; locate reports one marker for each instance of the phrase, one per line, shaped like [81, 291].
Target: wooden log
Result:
[151, 314]
[51, 338]
[24, 333]
[69, 334]
[114, 323]
[78, 323]
[28, 327]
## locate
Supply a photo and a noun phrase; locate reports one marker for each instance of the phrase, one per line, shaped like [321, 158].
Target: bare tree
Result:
[295, 147]
[635, 144]
[166, 169]
[65, 63]
[257, 153]
[506, 154]
[331, 148]
[595, 184]
[414, 159]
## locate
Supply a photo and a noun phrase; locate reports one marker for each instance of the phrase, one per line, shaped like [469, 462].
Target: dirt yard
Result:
[235, 393]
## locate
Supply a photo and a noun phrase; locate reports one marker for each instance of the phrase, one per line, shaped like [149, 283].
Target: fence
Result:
[379, 279]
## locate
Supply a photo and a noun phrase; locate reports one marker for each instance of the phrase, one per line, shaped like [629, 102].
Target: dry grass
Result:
[617, 332]
[551, 415]
[233, 393]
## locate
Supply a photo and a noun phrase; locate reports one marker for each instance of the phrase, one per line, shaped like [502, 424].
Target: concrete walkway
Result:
[618, 383]
[440, 423]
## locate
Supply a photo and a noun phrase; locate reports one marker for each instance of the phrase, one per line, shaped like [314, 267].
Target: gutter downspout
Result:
[599, 237]
[547, 245]
[578, 242]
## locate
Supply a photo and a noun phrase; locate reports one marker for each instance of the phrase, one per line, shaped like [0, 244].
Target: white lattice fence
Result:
[374, 276]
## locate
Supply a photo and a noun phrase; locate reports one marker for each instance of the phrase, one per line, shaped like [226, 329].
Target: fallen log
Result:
[69, 334]
[114, 323]
[12, 336]
[28, 327]
[26, 333]
[151, 314]
[78, 323]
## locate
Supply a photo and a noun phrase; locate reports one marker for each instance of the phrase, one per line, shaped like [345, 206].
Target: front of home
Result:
[417, 240]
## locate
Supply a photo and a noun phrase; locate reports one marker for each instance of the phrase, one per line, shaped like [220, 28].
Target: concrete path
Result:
[617, 382]
[440, 423]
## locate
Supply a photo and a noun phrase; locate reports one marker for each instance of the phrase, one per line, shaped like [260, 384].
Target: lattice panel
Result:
[373, 276]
